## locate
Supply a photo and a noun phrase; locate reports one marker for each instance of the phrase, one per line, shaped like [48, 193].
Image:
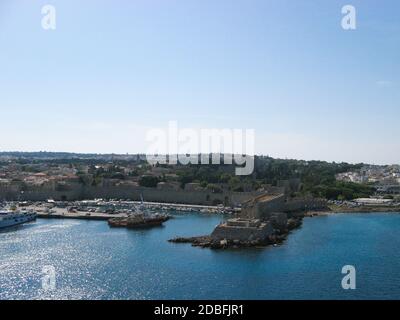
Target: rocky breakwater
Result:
[139, 221]
[239, 232]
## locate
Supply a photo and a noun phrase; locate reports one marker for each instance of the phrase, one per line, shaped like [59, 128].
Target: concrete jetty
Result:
[64, 213]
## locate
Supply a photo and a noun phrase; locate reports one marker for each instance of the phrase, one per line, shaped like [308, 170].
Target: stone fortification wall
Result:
[224, 231]
[129, 192]
[258, 208]
[263, 207]
[302, 204]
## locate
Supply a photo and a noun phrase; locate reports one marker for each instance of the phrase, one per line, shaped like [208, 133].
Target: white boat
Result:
[12, 218]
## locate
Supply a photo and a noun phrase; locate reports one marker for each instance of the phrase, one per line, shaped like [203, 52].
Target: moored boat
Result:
[9, 218]
[139, 221]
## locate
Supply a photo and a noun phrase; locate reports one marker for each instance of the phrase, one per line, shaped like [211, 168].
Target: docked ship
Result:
[139, 221]
[9, 218]
[139, 218]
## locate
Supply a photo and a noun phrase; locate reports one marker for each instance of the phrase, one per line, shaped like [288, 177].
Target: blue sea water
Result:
[93, 261]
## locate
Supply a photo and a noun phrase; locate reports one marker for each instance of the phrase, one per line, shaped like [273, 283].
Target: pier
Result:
[106, 210]
[60, 213]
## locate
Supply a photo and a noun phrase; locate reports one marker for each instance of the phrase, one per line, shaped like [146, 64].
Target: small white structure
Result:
[373, 201]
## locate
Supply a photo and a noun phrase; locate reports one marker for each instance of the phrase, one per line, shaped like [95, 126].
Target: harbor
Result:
[104, 210]
[93, 261]
[264, 220]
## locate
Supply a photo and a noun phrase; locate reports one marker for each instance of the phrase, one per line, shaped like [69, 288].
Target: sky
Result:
[112, 70]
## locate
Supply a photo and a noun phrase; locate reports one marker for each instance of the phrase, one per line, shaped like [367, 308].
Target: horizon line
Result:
[144, 154]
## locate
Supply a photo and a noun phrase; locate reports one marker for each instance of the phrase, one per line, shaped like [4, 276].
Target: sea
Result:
[81, 259]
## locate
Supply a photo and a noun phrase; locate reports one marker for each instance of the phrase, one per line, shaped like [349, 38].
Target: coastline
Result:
[75, 210]
[62, 213]
[335, 209]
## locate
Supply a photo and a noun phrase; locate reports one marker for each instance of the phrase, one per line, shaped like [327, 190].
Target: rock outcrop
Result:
[231, 235]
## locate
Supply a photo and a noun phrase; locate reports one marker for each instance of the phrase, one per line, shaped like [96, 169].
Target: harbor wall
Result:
[264, 209]
[223, 231]
[130, 193]
[258, 210]
[304, 204]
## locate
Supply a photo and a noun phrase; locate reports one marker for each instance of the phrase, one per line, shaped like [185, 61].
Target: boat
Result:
[10, 218]
[138, 221]
[139, 218]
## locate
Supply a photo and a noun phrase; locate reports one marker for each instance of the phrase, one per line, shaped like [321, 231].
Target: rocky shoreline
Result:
[277, 237]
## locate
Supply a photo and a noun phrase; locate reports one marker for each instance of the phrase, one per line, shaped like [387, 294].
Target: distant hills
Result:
[45, 155]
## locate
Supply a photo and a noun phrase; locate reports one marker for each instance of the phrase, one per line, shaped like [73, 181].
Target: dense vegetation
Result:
[149, 181]
[317, 177]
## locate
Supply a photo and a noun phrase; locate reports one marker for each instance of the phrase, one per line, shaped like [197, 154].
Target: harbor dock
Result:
[106, 210]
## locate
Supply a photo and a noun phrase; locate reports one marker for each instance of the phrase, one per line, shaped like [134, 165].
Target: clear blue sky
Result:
[285, 68]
